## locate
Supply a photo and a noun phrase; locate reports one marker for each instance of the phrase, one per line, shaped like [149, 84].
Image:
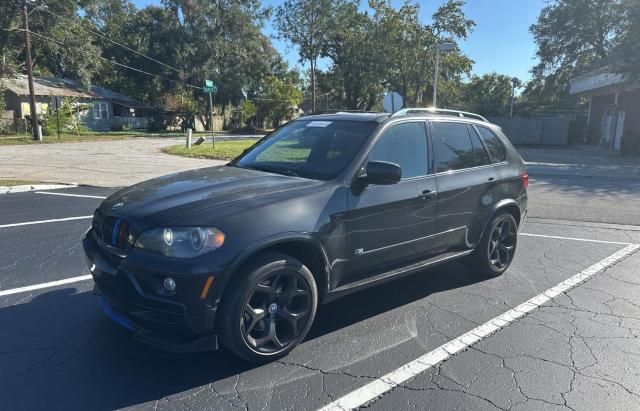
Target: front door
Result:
[389, 226]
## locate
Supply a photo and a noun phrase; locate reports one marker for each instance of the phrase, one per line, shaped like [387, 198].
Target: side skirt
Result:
[391, 275]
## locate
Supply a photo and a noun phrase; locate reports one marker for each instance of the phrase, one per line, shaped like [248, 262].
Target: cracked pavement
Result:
[579, 351]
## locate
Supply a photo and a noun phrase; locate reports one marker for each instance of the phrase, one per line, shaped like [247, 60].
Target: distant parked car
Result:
[324, 206]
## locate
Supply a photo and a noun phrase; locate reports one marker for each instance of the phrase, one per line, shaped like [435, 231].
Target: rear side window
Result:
[493, 143]
[404, 144]
[481, 155]
[452, 146]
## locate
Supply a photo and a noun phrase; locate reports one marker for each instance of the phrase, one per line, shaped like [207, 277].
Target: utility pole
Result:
[435, 77]
[32, 93]
[514, 83]
[439, 47]
[213, 138]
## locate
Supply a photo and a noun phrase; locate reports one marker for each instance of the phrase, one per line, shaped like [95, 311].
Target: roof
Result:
[59, 87]
[597, 81]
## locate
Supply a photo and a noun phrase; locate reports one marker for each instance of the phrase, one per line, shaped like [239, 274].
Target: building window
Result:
[100, 111]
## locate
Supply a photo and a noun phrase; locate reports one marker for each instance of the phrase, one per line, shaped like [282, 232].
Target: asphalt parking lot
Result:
[395, 346]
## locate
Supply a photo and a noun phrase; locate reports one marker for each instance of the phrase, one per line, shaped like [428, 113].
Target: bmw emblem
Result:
[273, 308]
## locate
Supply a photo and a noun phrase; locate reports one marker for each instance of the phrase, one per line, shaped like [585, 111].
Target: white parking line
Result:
[45, 285]
[55, 220]
[386, 383]
[574, 239]
[67, 194]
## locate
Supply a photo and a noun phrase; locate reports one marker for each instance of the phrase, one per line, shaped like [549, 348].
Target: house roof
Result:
[59, 87]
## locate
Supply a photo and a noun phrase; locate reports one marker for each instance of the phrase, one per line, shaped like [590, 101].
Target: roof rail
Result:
[339, 111]
[442, 111]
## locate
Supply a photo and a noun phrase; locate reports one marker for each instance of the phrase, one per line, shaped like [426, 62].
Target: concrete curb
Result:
[34, 187]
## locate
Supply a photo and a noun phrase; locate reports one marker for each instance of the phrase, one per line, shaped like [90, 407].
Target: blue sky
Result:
[500, 42]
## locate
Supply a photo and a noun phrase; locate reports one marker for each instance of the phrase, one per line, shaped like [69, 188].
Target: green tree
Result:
[409, 47]
[488, 94]
[626, 55]
[358, 65]
[278, 99]
[306, 24]
[572, 37]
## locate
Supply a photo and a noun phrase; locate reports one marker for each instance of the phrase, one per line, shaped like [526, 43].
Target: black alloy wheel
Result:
[268, 307]
[495, 251]
[276, 311]
[502, 244]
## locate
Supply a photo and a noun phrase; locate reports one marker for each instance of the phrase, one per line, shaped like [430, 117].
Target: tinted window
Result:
[307, 148]
[480, 153]
[494, 145]
[452, 146]
[406, 145]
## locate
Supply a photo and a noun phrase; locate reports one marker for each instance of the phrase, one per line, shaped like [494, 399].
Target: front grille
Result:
[110, 230]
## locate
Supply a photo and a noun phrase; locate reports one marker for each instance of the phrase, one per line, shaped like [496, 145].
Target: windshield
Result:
[309, 148]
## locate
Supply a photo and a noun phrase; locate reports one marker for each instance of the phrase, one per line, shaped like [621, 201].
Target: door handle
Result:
[491, 179]
[427, 194]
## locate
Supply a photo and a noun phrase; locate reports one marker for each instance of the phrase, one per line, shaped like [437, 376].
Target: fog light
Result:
[169, 284]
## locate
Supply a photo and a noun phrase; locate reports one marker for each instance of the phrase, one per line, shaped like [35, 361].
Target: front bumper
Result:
[133, 296]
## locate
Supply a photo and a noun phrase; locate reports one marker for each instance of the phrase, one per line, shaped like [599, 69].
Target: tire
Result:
[491, 258]
[268, 308]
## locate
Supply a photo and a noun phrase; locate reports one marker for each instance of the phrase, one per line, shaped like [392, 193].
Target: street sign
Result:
[209, 87]
[392, 102]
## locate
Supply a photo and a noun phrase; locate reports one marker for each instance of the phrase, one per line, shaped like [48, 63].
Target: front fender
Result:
[268, 242]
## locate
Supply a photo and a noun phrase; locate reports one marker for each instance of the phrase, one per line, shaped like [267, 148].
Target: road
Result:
[577, 350]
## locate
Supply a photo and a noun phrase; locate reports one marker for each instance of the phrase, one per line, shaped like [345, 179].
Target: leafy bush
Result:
[65, 119]
[158, 121]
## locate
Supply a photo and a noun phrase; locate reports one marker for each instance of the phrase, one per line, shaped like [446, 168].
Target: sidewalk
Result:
[104, 163]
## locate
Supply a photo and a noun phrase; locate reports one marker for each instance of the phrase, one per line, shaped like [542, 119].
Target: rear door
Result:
[464, 177]
[389, 226]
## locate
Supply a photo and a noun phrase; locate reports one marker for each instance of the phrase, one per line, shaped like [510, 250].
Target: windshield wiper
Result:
[274, 170]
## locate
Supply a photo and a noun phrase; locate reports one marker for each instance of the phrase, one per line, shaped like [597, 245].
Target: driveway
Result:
[104, 163]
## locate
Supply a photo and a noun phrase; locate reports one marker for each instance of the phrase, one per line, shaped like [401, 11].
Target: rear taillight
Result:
[524, 175]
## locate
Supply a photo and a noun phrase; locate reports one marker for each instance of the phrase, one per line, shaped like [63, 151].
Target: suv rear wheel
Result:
[494, 253]
[269, 307]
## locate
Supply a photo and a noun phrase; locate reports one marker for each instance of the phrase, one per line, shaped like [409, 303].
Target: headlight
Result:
[181, 242]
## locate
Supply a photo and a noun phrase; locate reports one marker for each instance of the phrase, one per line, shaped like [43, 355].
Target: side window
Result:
[406, 145]
[481, 155]
[493, 143]
[452, 146]
[100, 111]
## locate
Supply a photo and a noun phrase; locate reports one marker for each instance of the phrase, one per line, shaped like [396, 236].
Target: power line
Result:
[110, 40]
[106, 59]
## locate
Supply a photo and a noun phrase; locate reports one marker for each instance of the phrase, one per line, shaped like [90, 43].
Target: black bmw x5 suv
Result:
[323, 206]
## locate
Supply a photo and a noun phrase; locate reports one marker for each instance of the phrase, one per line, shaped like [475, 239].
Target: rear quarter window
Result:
[493, 143]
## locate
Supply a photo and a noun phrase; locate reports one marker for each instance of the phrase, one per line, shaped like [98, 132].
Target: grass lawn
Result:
[17, 182]
[225, 150]
[64, 138]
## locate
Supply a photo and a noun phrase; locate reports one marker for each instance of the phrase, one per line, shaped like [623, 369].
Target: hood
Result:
[169, 197]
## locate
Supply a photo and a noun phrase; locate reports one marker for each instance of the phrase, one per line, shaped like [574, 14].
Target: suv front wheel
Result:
[494, 253]
[269, 308]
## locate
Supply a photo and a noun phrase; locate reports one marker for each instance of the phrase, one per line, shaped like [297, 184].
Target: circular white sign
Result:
[392, 102]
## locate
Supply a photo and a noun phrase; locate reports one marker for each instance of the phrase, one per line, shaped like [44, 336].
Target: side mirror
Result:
[382, 173]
